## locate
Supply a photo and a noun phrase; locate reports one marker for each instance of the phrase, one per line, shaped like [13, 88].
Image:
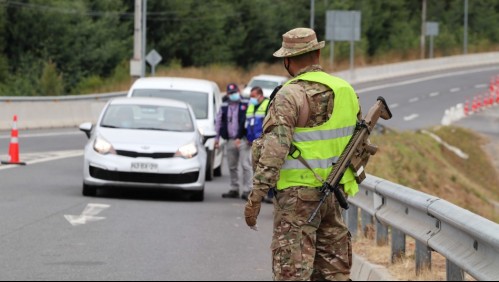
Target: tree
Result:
[51, 83]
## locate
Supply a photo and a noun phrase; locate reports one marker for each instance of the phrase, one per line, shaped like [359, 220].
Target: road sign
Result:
[153, 58]
[431, 28]
[343, 25]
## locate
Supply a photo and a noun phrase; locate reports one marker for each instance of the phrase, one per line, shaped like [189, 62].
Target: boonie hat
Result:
[232, 88]
[298, 41]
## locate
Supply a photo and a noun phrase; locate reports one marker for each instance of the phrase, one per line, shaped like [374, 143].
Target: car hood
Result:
[146, 140]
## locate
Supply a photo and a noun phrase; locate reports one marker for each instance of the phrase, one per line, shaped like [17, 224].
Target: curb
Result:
[362, 270]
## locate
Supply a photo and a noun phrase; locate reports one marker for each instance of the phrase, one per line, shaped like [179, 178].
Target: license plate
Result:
[144, 167]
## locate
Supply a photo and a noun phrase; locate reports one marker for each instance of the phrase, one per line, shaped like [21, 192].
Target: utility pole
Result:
[136, 62]
[465, 40]
[423, 29]
[144, 37]
[312, 13]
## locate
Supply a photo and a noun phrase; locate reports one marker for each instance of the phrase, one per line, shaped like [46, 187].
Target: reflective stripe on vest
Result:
[321, 146]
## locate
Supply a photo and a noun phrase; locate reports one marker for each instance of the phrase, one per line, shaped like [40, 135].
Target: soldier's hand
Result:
[251, 211]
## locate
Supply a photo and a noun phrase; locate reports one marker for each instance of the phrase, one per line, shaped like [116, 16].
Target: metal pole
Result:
[312, 13]
[423, 29]
[431, 47]
[465, 40]
[331, 57]
[144, 31]
[137, 36]
[352, 48]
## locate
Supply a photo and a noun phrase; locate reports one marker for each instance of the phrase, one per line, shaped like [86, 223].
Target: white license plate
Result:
[144, 167]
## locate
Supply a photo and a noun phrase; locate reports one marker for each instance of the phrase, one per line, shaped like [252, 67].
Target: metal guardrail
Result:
[469, 242]
[84, 97]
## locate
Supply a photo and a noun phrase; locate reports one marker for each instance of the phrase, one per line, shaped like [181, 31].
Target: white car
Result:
[205, 99]
[267, 82]
[145, 142]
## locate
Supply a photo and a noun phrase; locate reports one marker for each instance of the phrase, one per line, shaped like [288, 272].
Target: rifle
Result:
[356, 155]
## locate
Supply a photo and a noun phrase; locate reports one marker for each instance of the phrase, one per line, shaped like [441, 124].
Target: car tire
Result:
[198, 196]
[89, 191]
[210, 159]
[218, 170]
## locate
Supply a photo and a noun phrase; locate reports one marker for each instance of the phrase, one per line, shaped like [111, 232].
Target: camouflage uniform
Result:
[301, 251]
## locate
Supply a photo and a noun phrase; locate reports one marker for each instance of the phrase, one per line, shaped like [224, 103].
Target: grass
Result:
[419, 162]
[416, 160]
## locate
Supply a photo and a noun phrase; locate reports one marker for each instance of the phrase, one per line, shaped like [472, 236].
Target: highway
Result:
[158, 235]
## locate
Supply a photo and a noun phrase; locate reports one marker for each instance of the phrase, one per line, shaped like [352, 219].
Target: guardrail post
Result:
[423, 257]
[398, 244]
[353, 220]
[367, 224]
[454, 272]
[381, 234]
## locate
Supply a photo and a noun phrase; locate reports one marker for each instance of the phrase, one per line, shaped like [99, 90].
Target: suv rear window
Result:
[197, 100]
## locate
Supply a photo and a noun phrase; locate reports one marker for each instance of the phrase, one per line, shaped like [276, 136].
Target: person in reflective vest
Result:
[255, 114]
[317, 114]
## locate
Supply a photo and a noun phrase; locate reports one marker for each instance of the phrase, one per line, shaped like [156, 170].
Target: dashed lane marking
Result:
[411, 117]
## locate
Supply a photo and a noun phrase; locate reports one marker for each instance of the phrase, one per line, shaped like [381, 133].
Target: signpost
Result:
[343, 26]
[431, 31]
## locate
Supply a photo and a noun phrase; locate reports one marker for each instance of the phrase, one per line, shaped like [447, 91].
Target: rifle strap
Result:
[305, 163]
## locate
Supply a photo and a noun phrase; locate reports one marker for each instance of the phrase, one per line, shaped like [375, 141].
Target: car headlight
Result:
[187, 151]
[102, 146]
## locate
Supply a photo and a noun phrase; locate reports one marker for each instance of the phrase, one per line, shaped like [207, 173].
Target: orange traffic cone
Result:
[14, 145]
[467, 108]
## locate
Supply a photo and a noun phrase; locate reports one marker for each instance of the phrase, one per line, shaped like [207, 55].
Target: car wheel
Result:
[89, 191]
[198, 196]
[210, 157]
[218, 170]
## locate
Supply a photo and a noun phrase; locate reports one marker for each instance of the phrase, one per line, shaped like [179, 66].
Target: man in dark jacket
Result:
[230, 126]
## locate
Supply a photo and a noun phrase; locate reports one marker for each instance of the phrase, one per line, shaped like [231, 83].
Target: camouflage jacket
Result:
[270, 150]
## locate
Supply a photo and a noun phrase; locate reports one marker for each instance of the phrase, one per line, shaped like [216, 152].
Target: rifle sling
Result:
[293, 149]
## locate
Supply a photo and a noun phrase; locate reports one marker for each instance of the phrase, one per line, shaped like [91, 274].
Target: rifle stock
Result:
[356, 155]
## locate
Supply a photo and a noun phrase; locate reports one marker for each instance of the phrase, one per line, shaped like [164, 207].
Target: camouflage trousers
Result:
[321, 250]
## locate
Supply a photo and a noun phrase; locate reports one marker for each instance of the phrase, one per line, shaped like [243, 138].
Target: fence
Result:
[470, 243]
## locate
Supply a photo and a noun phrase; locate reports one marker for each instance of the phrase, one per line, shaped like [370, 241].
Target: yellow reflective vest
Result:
[321, 146]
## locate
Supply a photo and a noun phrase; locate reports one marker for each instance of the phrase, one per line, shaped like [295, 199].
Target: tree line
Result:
[57, 47]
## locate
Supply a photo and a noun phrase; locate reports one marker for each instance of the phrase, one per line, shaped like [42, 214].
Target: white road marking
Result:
[392, 106]
[457, 89]
[31, 135]
[34, 158]
[414, 100]
[478, 86]
[88, 214]
[434, 94]
[417, 80]
[411, 117]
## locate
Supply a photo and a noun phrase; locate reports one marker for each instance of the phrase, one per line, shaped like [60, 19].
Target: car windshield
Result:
[148, 117]
[264, 84]
[197, 100]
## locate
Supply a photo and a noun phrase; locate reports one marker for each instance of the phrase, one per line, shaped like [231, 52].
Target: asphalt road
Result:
[157, 235]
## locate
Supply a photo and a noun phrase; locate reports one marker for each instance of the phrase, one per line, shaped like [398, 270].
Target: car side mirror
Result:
[87, 128]
[208, 134]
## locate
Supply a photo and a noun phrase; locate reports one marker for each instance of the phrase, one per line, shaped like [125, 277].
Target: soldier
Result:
[316, 113]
